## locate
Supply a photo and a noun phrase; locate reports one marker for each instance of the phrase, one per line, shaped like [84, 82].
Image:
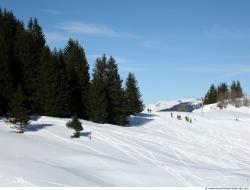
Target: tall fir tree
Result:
[233, 92]
[17, 112]
[117, 113]
[98, 97]
[133, 95]
[223, 95]
[35, 42]
[47, 84]
[62, 89]
[239, 90]
[211, 96]
[8, 28]
[78, 76]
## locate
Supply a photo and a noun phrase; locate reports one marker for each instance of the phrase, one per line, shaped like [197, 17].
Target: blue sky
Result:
[175, 48]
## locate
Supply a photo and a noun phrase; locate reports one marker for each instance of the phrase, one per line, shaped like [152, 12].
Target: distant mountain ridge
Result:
[184, 105]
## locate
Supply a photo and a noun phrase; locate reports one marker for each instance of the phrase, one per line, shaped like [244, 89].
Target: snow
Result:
[156, 150]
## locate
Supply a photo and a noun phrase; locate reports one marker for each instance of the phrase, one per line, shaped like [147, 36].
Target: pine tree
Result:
[98, 97]
[17, 113]
[239, 90]
[133, 96]
[223, 95]
[47, 84]
[78, 76]
[116, 99]
[233, 93]
[8, 27]
[76, 125]
[53, 91]
[35, 42]
[211, 96]
[62, 89]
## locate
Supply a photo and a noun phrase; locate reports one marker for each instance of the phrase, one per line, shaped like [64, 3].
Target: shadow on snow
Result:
[85, 134]
[36, 127]
[140, 119]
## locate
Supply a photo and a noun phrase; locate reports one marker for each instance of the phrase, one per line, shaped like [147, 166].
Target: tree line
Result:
[37, 80]
[224, 94]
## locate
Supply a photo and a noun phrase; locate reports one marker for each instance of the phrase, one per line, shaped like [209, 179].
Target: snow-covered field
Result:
[157, 150]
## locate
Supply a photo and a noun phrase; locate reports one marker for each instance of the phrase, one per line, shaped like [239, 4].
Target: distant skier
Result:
[171, 114]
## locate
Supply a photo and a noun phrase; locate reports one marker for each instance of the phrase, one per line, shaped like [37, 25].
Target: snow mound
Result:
[230, 107]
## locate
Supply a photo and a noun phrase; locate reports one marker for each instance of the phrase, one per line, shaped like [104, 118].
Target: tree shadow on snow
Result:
[140, 119]
[36, 127]
[145, 115]
[85, 134]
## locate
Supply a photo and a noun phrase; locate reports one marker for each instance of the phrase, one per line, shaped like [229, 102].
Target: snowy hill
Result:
[157, 150]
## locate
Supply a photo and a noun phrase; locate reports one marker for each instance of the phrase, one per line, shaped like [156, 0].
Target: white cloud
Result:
[92, 29]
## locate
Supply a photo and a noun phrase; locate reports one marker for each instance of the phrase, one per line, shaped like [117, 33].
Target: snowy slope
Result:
[156, 151]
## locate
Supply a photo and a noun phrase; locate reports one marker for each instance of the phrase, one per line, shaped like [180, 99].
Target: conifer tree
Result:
[62, 89]
[223, 95]
[116, 98]
[211, 96]
[8, 25]
[239, 90]
[18, 113]
[133, 95]
[47, 84]
[76, 125]
[78, 76]
[98, 97]
[35, 42]
[233, 92]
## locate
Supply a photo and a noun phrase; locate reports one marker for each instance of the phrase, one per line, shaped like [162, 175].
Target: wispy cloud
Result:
[231, 33]
[52, 11]
[92, 29]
